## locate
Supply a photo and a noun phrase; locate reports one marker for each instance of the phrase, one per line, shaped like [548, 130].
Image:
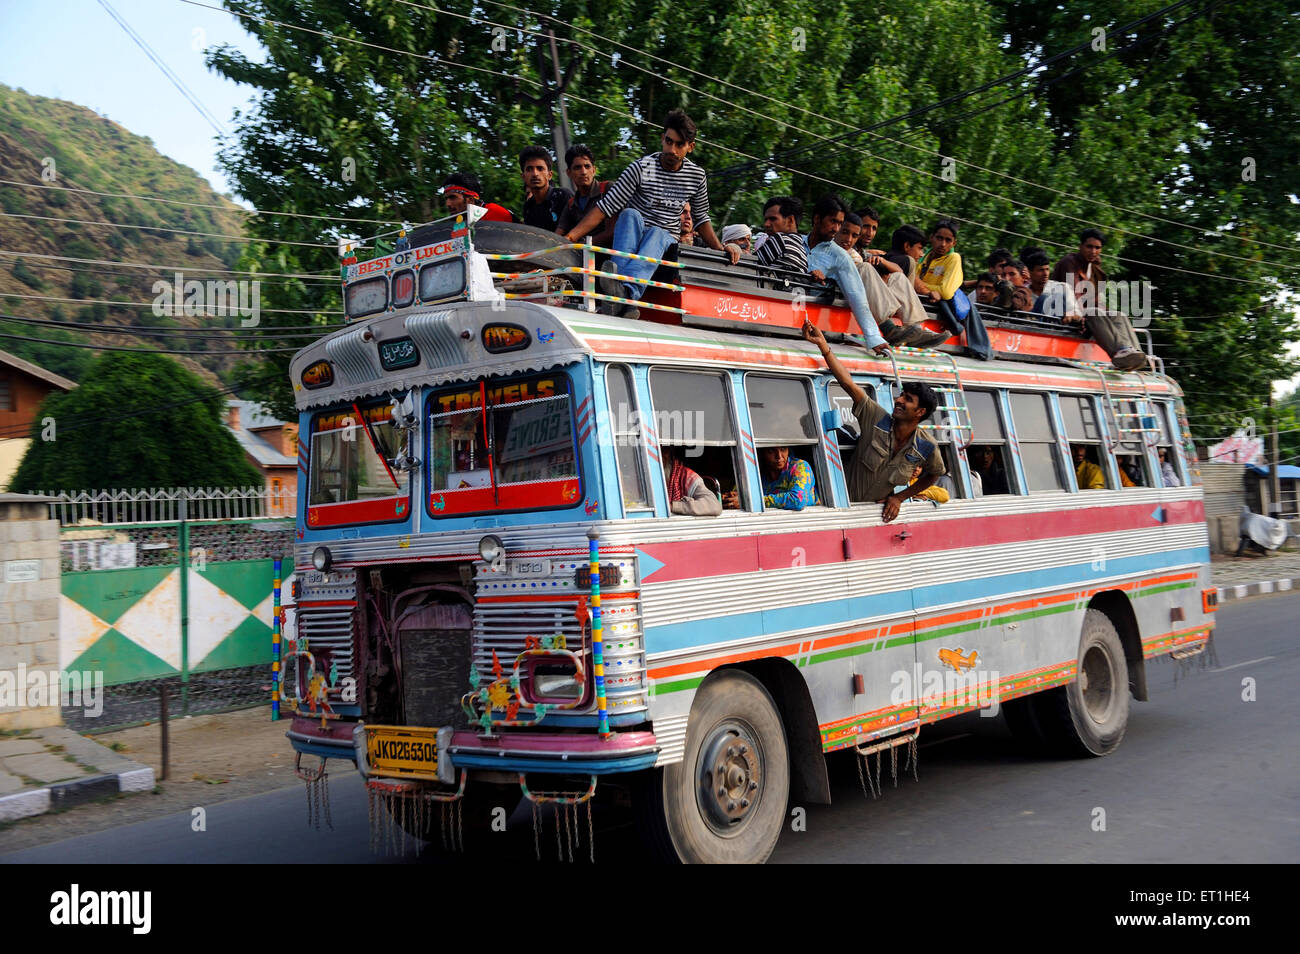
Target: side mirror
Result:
[403, 411]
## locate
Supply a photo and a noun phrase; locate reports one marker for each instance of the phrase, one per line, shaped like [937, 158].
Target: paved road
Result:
[1202, 776]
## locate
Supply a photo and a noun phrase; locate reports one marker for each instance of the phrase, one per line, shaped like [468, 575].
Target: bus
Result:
[495, 601]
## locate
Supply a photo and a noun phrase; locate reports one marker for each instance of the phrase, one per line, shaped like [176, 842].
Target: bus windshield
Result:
[504, 445]
[352, 450]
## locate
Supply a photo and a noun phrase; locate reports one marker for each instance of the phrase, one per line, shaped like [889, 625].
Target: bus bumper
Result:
[567, 754]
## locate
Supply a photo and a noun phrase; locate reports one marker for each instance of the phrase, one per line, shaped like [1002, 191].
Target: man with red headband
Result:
[461, 190]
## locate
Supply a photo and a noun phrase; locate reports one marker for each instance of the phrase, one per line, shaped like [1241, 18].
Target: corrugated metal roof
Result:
[1284, 471]
[251, 416]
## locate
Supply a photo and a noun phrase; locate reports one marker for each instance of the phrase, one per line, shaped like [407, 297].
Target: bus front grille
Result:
[504, 629]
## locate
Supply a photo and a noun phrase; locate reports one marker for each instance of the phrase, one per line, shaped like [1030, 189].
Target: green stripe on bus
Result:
[662, 688]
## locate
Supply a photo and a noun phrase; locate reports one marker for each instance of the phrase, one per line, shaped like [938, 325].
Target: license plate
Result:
[530, 567]
[317, 578]
[402, 751]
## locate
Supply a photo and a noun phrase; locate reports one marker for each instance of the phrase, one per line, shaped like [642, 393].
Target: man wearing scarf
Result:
[687, 493]
[462, 190]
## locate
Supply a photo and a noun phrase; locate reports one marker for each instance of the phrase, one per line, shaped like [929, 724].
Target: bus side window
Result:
[1131, 452]
[781, 415]
[1084, 435]
[941, 430]
[839, 398]
[692, 409]
[1171, 468]
[990, 457]
[626, 433]
[1033, 423]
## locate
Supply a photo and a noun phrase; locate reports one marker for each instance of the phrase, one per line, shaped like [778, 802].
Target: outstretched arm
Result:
[851, 387]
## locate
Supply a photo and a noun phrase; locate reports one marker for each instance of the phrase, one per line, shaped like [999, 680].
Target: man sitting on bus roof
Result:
[1110, 329]
[788, 482]
[891, 445]
[580, 163]
[784, 247]
[687, 492]
[648, 199]
[462, 190]
[1054, 299]
[826, 260]
[543, 202]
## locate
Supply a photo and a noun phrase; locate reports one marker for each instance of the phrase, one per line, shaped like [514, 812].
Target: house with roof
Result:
[271, 446]
[23, 386]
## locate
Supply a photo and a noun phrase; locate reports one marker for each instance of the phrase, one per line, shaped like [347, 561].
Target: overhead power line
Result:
[672, 64]
[168, 268]
[166, 70]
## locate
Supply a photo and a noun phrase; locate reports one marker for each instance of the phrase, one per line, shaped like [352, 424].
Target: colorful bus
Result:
[503, 602]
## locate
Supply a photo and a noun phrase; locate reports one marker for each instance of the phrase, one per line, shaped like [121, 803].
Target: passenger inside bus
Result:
[788, 482]
[688, 494]
[1086, 470]
[940, 493]
[988, 464]
[1130, 470]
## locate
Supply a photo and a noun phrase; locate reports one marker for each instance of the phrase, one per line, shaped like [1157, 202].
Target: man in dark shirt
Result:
[544, 203]
[1111, 329]
[580, 163]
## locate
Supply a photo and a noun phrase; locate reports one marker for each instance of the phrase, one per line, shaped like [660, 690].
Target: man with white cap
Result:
[740, 236]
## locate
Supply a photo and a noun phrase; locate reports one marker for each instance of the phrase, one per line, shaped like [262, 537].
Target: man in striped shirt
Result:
[784, 247]
[650, 195]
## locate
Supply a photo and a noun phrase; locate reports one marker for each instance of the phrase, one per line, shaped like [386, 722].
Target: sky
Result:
[74, 50]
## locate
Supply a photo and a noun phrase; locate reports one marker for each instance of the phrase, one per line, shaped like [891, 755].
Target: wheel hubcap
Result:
[730, 779]
[1096, 683]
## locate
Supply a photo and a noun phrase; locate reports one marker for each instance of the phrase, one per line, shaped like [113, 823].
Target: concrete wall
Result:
[29, 609]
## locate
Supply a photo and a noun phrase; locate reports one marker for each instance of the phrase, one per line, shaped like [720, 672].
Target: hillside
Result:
[94, 153]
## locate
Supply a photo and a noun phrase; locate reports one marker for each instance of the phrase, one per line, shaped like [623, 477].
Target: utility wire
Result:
[149, 304]
[172, 268]
[196, 205]
[166, 70]
[262, 333]
[159, 228]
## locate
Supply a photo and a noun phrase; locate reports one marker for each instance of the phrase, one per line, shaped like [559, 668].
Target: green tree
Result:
[345, 129]
[1195, 124]
[136, 420]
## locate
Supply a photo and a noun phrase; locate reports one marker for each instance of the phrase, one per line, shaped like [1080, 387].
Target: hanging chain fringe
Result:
[871, 785]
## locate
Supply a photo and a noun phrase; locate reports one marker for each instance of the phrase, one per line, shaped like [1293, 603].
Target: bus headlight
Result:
[322, 559]
[491, 549]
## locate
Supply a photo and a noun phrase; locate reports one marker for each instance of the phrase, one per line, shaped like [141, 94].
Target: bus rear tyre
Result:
[724, 803]
[1090, 715]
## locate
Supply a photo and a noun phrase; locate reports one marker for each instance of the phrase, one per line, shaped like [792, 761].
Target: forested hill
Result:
[91, 152]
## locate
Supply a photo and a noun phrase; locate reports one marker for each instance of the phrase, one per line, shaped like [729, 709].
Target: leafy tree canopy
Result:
[133, 422]
[1139, 120]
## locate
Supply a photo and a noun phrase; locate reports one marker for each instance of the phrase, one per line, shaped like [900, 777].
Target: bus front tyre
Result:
[725, 802]
[1090, 715]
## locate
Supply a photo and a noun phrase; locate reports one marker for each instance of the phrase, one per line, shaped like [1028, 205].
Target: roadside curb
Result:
[1241, 591]
[133, 777]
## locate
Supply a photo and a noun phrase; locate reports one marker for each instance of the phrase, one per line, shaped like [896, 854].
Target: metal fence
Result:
[169, 505]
